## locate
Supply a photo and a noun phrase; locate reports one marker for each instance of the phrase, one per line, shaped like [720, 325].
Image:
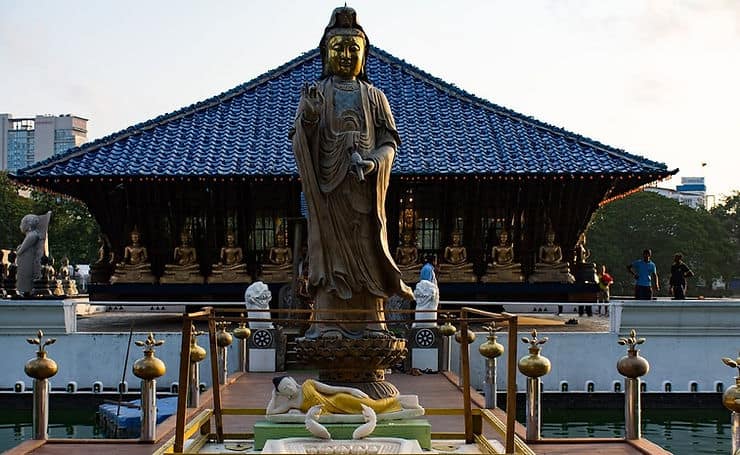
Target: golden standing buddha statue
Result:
[279, 268]
[407, 258]
[455, 267]
[231, 267]
[135, 267]
[550, 267]
[185, 269]
[503, 269]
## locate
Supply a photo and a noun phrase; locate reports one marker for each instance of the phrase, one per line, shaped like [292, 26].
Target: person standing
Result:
[605, 280]
[646, 276]
[427, 271]
[679, 272]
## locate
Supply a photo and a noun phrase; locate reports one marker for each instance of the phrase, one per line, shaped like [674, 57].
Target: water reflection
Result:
[681, 431]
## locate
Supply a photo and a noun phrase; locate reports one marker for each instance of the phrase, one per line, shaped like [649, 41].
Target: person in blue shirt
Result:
[646, 276]
[427, 270]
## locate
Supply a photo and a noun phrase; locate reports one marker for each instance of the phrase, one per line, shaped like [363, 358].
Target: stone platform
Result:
[418, 429]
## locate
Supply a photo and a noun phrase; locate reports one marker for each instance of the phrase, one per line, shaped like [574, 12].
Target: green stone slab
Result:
[419, 429]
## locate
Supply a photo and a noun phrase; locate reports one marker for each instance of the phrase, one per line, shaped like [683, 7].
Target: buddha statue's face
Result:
[229, 240]
[345, 55]
[280, 240]
[456, 239]
[184, 239]
[134, 237]
[503, 237]
[288, 386]
[550, 238]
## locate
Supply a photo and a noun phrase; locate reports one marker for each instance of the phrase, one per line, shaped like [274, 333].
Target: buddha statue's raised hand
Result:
[312, 102]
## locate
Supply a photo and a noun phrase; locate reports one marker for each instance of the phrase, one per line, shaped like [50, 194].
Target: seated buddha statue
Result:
[231, 267]
[69, 286]
[455, 267]
[502, 268]
[185, 268]
[550, 267]
[279, 266]
[407, 258]
[135, 267]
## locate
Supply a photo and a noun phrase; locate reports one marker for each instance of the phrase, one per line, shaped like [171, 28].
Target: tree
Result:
[619, 231]
[12, 208]
[73, 232]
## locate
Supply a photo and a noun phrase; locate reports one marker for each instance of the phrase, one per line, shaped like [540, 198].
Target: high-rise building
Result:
[692, 192]
[23, 141]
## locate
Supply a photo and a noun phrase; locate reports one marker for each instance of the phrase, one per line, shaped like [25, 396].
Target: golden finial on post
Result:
[731, 397]
[197, 353]
[447, 329]
[242, 332]
[149, 367]
[632, 365]
[534, 365]
[491, 348]
[41, 367]
[223, 338]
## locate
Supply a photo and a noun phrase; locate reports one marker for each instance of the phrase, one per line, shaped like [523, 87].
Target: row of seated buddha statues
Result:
[456, 267]
[185, 267]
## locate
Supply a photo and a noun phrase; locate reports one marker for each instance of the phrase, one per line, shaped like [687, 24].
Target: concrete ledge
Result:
[27, 316]
[676, 317]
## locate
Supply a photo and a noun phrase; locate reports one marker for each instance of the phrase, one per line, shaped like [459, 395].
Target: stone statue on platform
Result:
[69, 286]
[584, 272]
[185, 269]
[288, 395]
[45, 284]
[502, 268]
[426, 294]
[279, 268]
[258, 297]
[550, 267]
[407, 258]
[31, 250]
[345, 140]
[102, 269]
[455, 267]
[231, 267]
[11, 272]
[135, 267]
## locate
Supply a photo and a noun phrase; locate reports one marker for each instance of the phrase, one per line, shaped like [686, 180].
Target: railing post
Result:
[242, 333]
[534, 366]
[490, 350]
[197, 354]
[632, 366]
[41, 368]
[731, 400]
[223, 340]
[148, 369]
[447, 330]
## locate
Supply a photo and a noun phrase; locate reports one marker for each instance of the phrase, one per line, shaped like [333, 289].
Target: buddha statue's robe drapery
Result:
[351, 265]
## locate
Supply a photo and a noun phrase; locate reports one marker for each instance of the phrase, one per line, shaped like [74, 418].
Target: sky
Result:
[658, 78]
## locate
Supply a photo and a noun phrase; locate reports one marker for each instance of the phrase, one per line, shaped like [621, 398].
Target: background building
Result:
[692, 192]
[24, 141]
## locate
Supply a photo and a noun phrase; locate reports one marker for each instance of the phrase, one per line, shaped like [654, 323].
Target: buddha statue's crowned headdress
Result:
[343, 21]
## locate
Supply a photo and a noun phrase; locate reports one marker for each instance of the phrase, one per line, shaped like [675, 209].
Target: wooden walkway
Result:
[252, 390]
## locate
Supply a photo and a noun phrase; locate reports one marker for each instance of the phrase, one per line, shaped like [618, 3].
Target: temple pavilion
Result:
[466, 166]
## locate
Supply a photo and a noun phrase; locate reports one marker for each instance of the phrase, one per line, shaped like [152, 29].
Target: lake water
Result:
[682, 431]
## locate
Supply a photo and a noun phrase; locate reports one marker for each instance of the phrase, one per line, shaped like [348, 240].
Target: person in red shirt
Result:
[605, 280]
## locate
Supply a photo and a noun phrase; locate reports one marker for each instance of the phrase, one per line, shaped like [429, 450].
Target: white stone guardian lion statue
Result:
[258, 297]
[426, 295]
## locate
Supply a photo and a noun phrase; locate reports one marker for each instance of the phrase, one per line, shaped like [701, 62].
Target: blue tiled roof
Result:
[244, 131]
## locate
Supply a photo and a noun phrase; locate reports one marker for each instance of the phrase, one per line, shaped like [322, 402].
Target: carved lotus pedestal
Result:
[355, 363]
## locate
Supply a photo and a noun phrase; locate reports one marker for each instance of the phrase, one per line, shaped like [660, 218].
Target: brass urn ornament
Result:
[731, 397]
[41, 367]
[447, 329]
[491, 348]
[197, 352]
[534, 365]
[471, 336]
[242, 332]
[223, 338]
[632, 365]
[149, 367]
